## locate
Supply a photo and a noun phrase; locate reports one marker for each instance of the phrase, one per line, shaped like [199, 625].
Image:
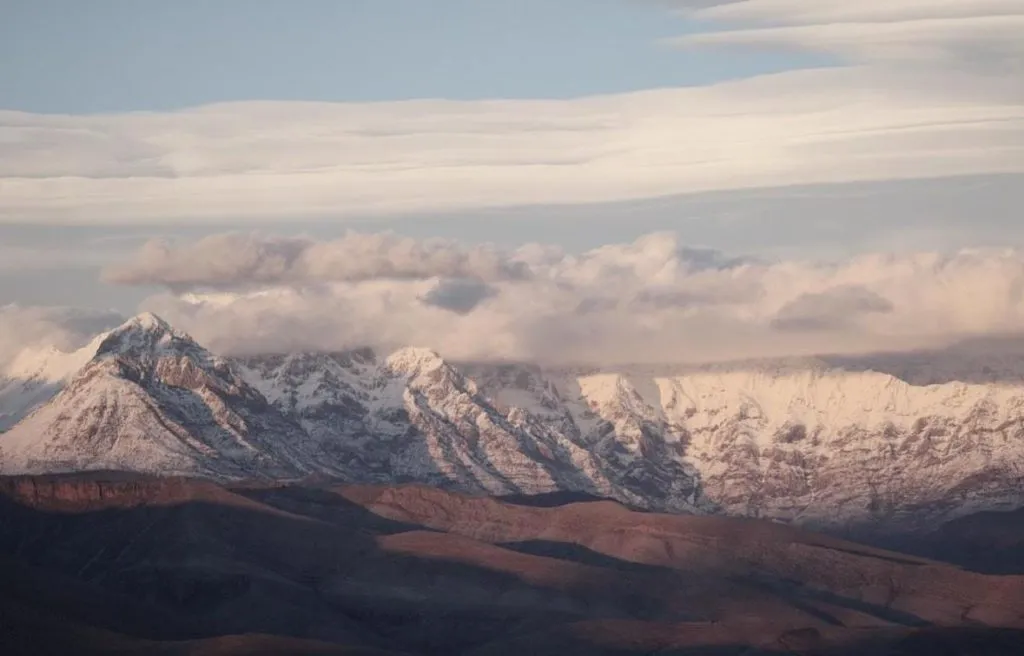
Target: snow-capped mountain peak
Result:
[147, 322]
[145, 334]
[414, 361]
[808, 442]
[153, 400]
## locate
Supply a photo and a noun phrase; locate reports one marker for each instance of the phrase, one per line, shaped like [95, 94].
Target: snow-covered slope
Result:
[153, 400]
[803, 441]
[825, 446]
[798, 442]
[34, 376]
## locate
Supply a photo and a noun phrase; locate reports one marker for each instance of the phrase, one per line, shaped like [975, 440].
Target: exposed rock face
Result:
[103, 490]
[796, 442]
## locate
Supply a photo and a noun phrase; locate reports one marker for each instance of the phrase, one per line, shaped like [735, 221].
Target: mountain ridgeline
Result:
[805, 443]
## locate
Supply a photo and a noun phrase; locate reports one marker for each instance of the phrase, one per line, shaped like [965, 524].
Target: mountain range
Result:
[817, 442]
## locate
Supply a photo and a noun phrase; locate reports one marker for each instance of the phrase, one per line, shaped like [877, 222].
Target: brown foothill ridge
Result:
[180, 566]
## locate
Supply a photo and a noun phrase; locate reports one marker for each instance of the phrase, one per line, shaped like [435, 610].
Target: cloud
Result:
[63, 328]
[834, 309]
[652, 300]
[254, 162]
[982, 34]
[986, 40]
[831, 11]
[459, 296]
[925, 89]
[238, 259]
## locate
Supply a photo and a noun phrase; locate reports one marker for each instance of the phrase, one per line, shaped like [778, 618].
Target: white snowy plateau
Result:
[808, 442]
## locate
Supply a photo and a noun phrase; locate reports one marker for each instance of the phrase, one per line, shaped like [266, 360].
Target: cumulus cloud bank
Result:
[234, 259]
[925, 89]
[653, 300]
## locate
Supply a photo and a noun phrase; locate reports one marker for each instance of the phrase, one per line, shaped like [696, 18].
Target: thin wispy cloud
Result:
[922, 90]
[983, 35]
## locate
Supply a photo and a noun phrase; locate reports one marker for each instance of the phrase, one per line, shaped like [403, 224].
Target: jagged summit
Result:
[146, 323]
[412, 361]
[144, 332]
[149, 322]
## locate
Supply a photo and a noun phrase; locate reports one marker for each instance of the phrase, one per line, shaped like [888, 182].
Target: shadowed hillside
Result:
[112, 563]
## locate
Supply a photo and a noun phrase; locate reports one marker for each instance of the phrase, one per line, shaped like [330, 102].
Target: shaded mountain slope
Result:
[181, 566]
[988, 542]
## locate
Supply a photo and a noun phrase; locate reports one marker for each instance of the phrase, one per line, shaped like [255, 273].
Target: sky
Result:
[62, 56]
[591, 180]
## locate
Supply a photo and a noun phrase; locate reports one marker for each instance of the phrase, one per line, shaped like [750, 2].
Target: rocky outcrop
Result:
[79, 493]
